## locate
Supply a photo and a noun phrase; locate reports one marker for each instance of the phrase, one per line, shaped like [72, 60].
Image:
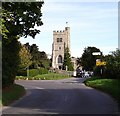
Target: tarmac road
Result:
[67, 96]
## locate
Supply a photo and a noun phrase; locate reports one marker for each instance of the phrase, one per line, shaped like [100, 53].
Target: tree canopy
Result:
[19, 19]
[39, 59]
[25, 57]
[88, 60]
[112, 69]
[67, 60]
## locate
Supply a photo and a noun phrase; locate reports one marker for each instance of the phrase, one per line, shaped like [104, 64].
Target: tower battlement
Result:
[59, 31]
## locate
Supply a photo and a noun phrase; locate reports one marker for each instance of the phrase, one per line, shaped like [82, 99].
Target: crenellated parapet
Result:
[58, 31]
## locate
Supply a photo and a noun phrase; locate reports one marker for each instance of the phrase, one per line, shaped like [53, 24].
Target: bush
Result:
[113, 65]
[51, 76]
[32, 72]
[22, 73]
[97, 71]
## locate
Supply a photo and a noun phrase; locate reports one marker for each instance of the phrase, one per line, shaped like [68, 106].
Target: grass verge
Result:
[49, 76]
[110, 86]
[12, 93]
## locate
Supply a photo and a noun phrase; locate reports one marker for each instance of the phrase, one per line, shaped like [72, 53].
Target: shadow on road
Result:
[63, 98]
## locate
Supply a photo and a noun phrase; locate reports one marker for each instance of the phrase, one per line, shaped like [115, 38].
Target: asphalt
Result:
[67, 96]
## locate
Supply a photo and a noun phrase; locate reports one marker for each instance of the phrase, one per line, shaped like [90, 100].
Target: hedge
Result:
[32, 72]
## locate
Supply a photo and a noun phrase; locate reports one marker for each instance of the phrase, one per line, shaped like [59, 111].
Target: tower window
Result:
[59, 48]
[59, 39]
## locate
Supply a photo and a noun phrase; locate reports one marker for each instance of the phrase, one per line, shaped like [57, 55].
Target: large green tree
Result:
[18, 19]
[112, 69]
[88, 60]
[67, 60]
[39, 59]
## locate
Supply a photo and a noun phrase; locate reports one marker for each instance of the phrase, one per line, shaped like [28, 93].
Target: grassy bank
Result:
[110, 86]
[49, 76]
[11, 94]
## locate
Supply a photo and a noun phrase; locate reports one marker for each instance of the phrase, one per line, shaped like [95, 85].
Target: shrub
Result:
[97, 71]
[32, 72]
[113, 65]
[22, 73]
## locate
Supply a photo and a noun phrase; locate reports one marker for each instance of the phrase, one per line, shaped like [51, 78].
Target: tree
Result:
[10, 62]
[18, 19]
[112, 69]
[39, 59]
[35, 55]
[88, 60]
[67, 60]
[25, 57]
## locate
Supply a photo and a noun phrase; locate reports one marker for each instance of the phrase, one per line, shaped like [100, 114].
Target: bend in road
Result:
[67, 96]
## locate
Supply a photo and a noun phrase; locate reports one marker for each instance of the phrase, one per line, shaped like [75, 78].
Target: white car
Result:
[86, 74]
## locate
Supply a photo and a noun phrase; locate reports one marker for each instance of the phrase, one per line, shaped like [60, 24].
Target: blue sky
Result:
[91, 23]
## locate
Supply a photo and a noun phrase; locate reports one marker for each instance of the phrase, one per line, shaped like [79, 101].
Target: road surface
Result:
[67, 96]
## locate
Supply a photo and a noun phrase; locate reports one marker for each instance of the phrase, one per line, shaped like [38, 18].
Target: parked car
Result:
[78, 73]
[86, 74]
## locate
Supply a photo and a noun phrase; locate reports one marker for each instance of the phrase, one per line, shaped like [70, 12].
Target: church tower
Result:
[61, 40]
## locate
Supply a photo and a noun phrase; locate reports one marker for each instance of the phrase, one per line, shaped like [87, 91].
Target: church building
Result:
[61, 40]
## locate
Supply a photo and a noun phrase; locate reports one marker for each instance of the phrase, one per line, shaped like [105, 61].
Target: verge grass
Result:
[110, 86]
[12, 93]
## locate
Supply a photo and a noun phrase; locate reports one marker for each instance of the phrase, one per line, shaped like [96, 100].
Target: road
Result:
[67, 96]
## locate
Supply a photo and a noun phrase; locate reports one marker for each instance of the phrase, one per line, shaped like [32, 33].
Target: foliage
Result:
[10, 61]
[39, 59]
[35, 54]
[49, 76]
[25, 58]
[45, 63]
[11, 94]
[110, 86]
[3, 30]
[88, 60]
[32, 72]
[21, 73]
[113, 65]
[99, 71]
[18, 19]
[67, 60]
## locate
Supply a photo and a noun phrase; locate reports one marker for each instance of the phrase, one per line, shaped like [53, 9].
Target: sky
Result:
[92, 23]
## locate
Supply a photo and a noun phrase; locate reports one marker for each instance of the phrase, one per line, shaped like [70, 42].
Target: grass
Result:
[49, 76]
[110, 86]
[12, 93]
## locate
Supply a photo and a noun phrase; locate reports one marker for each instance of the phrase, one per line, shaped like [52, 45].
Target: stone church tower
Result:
[61, 40]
